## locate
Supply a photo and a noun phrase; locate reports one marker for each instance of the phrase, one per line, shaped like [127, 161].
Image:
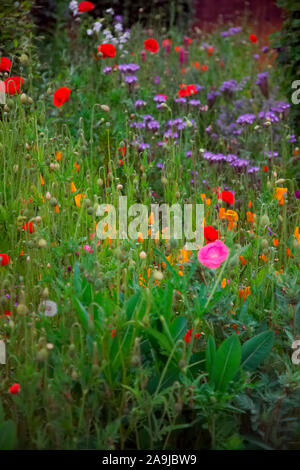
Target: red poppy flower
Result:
[85, 6]
[5, 64]
[107, 50]
[167, 43]
[211, 234]
[186, 90]
[13, 85]
[61, 95]
[151, 45]
[122, 151]
[4, 259]
[204, 68]
[7, 313]
[209, 51]
[265, 169]
[28, 227]
[227, 196]
[14, 389]
[253, 38]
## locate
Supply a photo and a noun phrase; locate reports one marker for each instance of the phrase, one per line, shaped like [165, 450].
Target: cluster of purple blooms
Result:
[233, 160]
[231, 31]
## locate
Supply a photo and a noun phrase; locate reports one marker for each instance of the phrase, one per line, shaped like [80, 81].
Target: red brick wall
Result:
[264, 15]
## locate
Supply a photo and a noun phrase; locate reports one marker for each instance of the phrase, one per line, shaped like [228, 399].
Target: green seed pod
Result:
[53, 201]
[42, 355]
[264, 220]
[24, 59]
[22, 309]
[264, 244]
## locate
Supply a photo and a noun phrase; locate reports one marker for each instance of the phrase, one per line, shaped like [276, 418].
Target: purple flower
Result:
[139, 104]
[188, 154]
[130, 79]
[297, 194]
[160, 165]
[180, 100]
[160, 98]
[246, 119]
[107, 69]
[265, 49]
[195, 102]
[268, 115]
[157, 80]
[262, 82]
[153, 125]
[229, 87]
[211, 97]
[292, 139]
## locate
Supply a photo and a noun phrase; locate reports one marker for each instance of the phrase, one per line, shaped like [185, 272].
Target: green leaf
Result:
[177, 328]
[210, 353]
[256, 349]
[8, 435]
[82, 313]
[77, 279]
[227, 362]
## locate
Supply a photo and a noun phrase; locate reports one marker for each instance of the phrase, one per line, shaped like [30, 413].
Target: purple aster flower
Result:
[180, 100]
[139, 104]
[229, 87]
[153, 125]
[268, 116]
[246, 119]
[107, 69]
[262, 82]
[160, 165]
[271, 154]
[297, 194]
[195, 102]
[188, 154]
[157, 80]
[292, 139]
[211, 97]
[265, 49]
[130, 79]
[159, 98]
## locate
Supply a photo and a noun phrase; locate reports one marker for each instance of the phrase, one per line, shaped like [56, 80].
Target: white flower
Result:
[89, 32]
[49, 307]
[73, 6]
[109, 11]
[118, 27]
[97, 26]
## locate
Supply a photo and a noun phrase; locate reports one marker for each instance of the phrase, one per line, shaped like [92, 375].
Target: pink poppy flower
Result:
[213, 254]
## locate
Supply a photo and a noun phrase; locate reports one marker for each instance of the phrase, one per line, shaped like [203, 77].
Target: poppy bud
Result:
[53, 202]
[87, 203]
[264, 244]
[105, 108]
[158, 275]
[264, 220]
[45, 293]
[24, 59]
[42, 243]
[42, 355]
[23, 98]
[234, 261]
[22, 309]
[164, 180]
[143, 255]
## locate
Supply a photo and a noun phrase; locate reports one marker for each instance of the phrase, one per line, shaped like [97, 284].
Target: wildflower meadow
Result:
[117, 333]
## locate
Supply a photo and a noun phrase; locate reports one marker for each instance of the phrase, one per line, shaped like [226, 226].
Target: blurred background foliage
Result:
[287, 44]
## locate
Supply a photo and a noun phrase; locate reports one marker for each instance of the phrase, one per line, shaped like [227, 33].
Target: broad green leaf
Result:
[178, 327]
[210, 354]
[256, 349]
[8, 435]
[77, 279]
[227, 362]
[82, 313]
